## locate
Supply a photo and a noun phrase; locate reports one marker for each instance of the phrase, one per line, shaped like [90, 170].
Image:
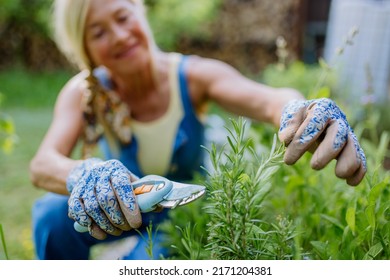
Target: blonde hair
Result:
[69, 18]
[68, 22]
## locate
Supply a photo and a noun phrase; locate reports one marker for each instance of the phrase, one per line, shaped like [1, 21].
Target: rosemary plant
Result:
[237, 188]
[149, 239]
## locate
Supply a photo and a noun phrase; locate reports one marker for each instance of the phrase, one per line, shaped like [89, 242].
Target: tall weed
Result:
[3, 244]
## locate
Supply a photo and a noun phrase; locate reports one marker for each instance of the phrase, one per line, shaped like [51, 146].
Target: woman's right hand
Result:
[102, 198]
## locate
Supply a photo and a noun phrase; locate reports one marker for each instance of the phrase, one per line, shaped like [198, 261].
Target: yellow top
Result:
[156, 139]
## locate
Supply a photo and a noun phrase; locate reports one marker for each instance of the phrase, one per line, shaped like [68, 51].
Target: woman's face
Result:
[116, 35]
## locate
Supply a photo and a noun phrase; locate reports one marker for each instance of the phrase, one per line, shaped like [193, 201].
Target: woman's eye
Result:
[123, 18]
[96, 34]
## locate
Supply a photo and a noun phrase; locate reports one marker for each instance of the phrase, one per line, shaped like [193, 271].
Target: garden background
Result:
[277, 211]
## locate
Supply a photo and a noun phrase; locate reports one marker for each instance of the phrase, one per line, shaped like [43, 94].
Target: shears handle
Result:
[149, 191]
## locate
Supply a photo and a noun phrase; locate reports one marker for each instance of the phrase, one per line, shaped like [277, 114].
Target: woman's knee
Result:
[50, 211]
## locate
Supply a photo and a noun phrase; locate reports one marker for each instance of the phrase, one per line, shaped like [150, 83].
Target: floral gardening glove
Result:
[101, 197]
[319, 125]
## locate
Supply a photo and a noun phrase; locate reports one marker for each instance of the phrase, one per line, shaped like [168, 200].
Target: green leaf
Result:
[6, 124]
[350, 217]
[323, 92]
[333, 221]
[370, 214]
[321, 248]
[7, 145]
[323, 64]
[373, 252]
[375, 192]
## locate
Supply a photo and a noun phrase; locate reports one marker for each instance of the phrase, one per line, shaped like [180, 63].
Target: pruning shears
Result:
[153, 191]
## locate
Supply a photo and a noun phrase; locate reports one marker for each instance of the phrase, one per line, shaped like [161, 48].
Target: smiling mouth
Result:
[126, 52]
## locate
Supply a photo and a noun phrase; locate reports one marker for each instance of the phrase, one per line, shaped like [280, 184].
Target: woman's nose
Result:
[119, 33]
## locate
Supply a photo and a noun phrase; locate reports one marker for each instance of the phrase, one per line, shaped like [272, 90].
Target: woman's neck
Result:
[145, 81]
[146, 91]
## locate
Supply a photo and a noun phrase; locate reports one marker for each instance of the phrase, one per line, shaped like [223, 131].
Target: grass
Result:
[28, 100]
[17, 193]
[32, 90]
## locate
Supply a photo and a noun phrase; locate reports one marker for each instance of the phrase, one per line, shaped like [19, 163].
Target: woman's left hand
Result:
[321, 127]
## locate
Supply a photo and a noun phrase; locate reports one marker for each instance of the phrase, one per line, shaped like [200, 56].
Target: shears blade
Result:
[182, 194]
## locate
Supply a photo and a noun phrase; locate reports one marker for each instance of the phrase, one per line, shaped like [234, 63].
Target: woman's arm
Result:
[53, 170]
[216, 81]
[51, 165]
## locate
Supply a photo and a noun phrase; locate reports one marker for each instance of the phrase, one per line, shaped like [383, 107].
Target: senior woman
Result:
[145, 109]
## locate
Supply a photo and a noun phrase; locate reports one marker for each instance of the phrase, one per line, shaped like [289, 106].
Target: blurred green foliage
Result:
[7, 131]
[28, 14]
[299, 76]
[172, 20]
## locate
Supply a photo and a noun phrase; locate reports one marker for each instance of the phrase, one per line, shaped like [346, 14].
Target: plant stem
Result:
[3, 242]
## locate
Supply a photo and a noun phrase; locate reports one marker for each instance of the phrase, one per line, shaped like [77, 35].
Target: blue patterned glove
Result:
[101, 197]
[321, 127]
